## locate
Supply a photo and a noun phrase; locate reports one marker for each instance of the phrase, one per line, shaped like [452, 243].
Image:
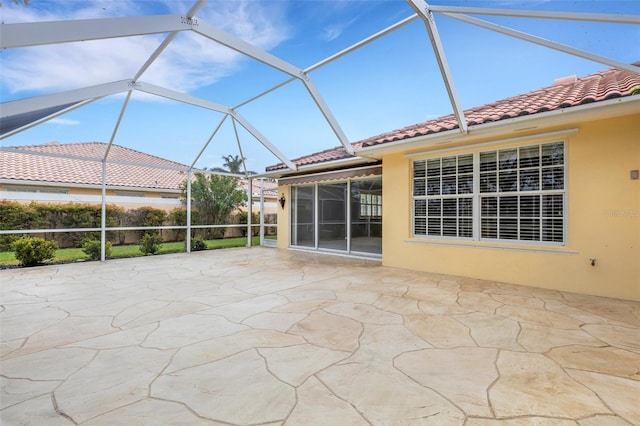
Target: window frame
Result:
[434, 194]
[352, 210]
[477, 196]
[37, 189]
[371, 206]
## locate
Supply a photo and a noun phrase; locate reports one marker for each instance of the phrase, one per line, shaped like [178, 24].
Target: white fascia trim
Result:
[65, 185]
[331, 172]
[87, 198]
[559, 134]
[594, 111]
[355, 161]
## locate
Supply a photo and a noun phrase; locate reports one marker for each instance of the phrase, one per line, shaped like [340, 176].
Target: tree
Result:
[233, 163]
[215, 197]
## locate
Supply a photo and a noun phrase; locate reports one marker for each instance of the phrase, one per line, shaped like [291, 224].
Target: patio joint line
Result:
[611, 410]
[434, 390]
[188, 407]
[362, 414]
[493, 383]
[61, 413]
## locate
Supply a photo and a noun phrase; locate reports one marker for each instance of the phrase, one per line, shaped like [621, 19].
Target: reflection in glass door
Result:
[332, 216]
[366, 216]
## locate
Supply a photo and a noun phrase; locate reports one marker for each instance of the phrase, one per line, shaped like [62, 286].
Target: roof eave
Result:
[593, 111]
[344, 162]
[22, 182]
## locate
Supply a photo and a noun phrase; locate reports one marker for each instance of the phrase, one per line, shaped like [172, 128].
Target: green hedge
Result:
[18, 216]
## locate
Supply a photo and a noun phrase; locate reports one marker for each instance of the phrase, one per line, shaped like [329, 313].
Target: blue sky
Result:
[388, 84]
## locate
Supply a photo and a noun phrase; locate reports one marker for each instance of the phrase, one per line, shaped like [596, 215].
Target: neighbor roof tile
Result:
[20, 164]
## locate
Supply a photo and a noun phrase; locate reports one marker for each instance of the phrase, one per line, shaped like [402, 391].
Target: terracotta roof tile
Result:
[333, 154]
[565, 93]
[20, 165]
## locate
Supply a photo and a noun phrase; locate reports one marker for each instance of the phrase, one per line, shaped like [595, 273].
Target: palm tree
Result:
[233, 163]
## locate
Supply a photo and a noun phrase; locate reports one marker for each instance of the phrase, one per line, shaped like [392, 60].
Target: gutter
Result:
[617, 107]
[65, 185]
[343, 162]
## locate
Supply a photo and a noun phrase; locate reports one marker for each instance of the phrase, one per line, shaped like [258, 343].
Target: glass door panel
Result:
[366, 216]
[302, 216]
[332, 216]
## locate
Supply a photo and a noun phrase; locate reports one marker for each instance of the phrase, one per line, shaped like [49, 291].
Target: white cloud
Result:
[333, 31]
[63, 121]
[191, 61]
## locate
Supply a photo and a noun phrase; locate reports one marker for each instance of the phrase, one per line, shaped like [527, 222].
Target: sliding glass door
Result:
[332, 216]
[303, 200]
[366, 216]
[344, 216]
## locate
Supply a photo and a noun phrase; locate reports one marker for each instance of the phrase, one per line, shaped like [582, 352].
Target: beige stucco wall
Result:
[603, 221]
[283, 217]
[84, 195]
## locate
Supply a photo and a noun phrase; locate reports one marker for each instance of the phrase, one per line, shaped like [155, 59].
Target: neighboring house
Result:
[72, 173]
[269, 191]
[69, 173]
[543, 190]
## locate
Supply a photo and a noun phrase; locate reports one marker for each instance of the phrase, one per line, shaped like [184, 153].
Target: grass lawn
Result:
[7, 258]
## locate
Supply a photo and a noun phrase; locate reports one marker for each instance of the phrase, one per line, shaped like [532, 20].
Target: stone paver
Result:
[265, 336]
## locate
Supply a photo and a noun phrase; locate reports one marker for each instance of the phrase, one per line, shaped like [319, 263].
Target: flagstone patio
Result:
[265, 336]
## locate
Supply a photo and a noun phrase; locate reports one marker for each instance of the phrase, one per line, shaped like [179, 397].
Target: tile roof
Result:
[565, 93]
[270, 188]
[20, 165]
[333, 154]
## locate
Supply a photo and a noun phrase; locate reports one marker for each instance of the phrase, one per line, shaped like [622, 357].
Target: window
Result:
[370, 205]
[443, 196]
[129, 194]
[45, 190]
[519, 195]
[522, 193]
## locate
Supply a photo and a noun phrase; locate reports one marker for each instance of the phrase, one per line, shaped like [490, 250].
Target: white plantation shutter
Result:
[521, 194]
[443, 196]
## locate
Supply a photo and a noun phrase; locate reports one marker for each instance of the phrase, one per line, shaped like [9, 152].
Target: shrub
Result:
[197, 244]
[147, 216]
[150, 243]
[93, 249]
[33, 216]
[241, 218]
[14, 215]
[33, 251]
[6, 242]
[178, 217]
